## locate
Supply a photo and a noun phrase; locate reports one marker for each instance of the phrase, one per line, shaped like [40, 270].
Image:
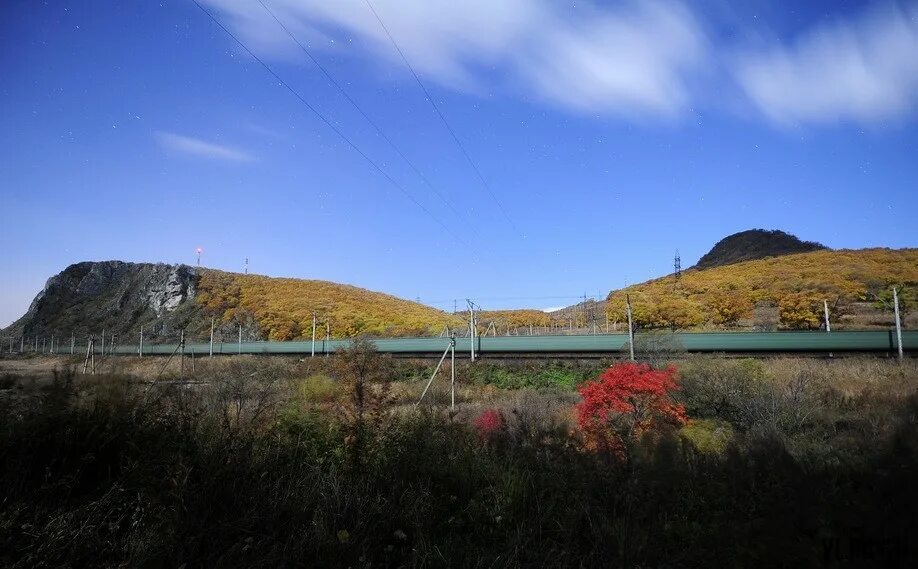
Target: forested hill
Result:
[119, 297]
[778, 292]
[755, 244]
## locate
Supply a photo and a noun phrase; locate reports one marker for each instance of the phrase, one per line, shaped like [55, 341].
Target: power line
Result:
[328, 123]
[359, 109]
[433, 103]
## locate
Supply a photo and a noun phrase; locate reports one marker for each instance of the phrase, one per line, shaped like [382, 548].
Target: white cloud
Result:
[631, 59]
[863, 71]
[198, 147]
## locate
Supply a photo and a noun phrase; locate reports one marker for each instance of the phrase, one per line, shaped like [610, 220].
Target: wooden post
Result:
[898, 322]
[211, 354]
[88, 352]
[630, 326]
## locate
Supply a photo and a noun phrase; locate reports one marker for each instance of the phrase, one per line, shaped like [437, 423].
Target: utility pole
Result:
[471, 329]
[21, 344]
[140, 347]
[52, 344]
[103, 341]
[313, 354]
[72, 343]
[898, 322]
[630, 326]
[182, 354]
[240, 339]
[211, 354]
[825, 307]
[327, 336]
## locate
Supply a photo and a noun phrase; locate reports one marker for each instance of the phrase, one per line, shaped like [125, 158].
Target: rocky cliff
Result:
[115, 296]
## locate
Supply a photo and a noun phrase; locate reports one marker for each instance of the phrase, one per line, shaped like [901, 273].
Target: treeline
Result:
[793, 286]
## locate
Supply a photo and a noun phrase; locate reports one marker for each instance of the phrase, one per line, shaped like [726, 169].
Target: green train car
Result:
[718, 342]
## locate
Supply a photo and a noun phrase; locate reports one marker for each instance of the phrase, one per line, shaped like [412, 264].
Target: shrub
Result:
[489, 423]
[626, 401]
[709, 436]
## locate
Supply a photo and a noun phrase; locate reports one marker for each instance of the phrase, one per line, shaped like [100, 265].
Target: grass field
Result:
[268, 462]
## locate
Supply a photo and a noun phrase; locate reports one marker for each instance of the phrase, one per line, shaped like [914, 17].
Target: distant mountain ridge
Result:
[755, 244]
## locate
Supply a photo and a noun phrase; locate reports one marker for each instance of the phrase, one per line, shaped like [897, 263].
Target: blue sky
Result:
[609, 134]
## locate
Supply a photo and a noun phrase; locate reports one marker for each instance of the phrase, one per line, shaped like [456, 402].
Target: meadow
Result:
[276, 462]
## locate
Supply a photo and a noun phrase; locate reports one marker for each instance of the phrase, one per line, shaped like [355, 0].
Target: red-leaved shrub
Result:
[489, 422]
[625, 401]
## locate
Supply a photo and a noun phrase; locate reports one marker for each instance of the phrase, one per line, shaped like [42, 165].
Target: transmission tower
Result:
[677, 265]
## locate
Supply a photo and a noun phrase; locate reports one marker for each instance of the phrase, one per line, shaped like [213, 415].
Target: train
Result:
[600, 345]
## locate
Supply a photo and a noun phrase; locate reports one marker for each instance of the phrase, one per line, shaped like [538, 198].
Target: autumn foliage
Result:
[282, 308]
[722, 296]
[626, 401]
[489, 423]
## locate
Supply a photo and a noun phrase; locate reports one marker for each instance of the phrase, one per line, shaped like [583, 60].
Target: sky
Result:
[520, 153]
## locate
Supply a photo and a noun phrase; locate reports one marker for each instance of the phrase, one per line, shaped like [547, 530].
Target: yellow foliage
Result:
[721, 296]
[283, 308]
[800, 311]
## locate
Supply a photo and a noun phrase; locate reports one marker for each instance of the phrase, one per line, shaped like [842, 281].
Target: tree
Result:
[626, 401]
[365, 375]
[728, 306]
[800, 311]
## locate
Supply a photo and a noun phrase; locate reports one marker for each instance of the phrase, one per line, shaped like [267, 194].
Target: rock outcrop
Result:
[112, 295]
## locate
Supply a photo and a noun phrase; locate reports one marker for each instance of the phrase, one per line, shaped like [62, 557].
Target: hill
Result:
[120, 297]
[786, 291]
[754, 244]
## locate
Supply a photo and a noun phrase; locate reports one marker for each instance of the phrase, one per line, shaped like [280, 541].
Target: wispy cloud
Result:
[633, 58]
[198, 147]
[630, 59]
[862, 70]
